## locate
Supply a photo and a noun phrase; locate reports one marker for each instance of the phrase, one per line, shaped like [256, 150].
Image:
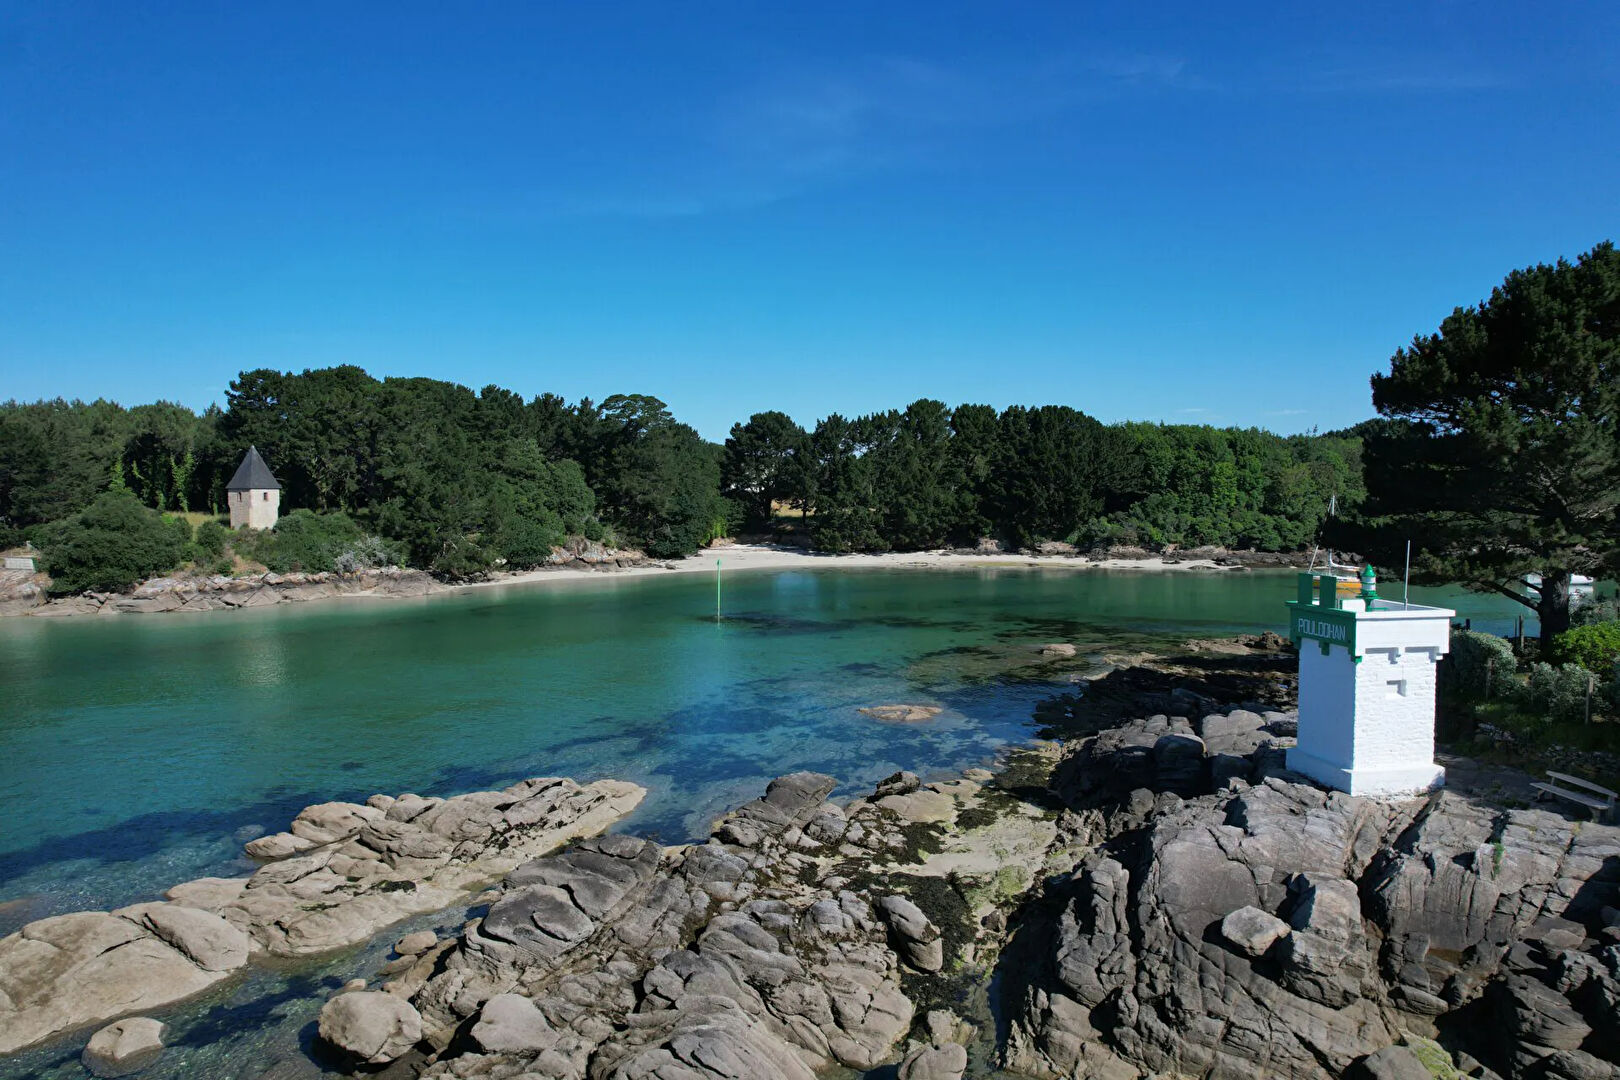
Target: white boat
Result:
[1580, 586]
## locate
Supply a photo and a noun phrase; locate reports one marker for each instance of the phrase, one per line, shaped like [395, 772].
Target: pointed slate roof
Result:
[253, 474]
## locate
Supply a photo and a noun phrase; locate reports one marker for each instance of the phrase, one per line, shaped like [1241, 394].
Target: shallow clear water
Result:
[140, 752]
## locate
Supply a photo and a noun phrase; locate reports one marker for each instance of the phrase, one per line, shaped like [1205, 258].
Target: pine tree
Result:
[1499, 454]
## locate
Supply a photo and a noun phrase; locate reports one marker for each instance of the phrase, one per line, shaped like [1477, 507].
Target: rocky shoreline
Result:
[25, 592]
[218, 593]
[342, 872]
[1147, 894]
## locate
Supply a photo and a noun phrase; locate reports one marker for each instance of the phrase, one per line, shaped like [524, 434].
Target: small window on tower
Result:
[1397, 688]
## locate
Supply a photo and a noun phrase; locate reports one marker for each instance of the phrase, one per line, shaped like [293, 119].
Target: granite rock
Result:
[374, 1028]
[69, 971]
[125, 1047]
[1229, 927]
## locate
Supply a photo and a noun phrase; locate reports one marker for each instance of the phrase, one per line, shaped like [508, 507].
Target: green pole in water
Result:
[717, 590]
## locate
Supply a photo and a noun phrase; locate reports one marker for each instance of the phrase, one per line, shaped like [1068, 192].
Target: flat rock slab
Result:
[920, 806]
[69, 971]
[395, 857]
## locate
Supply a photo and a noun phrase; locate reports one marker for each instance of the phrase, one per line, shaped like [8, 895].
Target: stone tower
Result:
[1366, 688]
[254, 493]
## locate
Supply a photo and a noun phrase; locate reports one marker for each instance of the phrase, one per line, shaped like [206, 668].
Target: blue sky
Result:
[1221, 213]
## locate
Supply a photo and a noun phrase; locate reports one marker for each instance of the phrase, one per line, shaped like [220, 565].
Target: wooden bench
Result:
[1600, 800]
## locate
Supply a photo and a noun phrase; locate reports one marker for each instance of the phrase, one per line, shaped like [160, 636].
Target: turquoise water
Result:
[137, 752]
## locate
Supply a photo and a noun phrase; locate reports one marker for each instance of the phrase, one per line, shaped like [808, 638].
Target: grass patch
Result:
[1500, 733]
[1007, 884]
[1433, 1056]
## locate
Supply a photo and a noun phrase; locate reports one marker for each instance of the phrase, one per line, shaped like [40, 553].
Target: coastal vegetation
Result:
[458, 482]
[1497, 451]
[111, 544]
[1547, 711]
[931, 476]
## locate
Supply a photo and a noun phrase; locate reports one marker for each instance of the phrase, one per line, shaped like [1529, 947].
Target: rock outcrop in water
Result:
[348, 871]
[218, 592]
[71, 970]
[126, 1047]
[617, 960]
[779, 948]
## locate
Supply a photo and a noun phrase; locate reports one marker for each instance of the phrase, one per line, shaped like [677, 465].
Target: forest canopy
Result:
[461, 481]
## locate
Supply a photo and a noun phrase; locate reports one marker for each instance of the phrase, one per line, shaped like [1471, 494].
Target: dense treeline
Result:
[929, 476]
[460, 481]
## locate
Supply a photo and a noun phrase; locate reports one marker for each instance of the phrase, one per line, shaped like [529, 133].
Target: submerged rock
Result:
[901, 714]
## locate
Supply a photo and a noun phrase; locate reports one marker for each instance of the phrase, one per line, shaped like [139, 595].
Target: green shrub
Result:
[367, 553]
[1595, 646]
[727, 520]
[1478, 666]
[527, 542]
[301, 541]
[179, 526]
[462, 558]
[1558, 692]
[111, 544]
[211, 537]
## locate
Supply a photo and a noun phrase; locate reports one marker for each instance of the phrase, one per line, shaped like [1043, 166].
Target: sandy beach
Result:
[735, 557]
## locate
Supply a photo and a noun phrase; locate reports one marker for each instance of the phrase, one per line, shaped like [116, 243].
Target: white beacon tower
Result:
[1366, 688]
